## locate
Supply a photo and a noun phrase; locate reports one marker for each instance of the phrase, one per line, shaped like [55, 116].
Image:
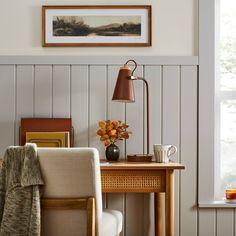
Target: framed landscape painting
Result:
[96, 26]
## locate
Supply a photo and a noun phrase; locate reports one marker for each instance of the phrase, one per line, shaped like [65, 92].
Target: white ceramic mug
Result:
[162, 152]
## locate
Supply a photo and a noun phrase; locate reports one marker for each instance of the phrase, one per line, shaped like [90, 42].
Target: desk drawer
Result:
[133, 181]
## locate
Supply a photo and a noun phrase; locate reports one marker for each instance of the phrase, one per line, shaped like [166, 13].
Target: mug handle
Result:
[172, 150]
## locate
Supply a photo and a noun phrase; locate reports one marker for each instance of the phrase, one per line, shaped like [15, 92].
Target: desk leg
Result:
[158, 214]
[169, 203]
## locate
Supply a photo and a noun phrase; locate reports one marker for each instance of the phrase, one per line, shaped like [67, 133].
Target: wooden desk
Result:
[144, 177]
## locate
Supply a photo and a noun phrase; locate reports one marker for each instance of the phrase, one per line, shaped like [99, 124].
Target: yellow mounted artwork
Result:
[49, 139]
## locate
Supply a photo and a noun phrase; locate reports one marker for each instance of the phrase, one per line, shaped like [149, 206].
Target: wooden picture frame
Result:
[96, 26]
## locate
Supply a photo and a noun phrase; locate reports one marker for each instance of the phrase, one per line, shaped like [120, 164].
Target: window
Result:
[227, 96]
[217, 100]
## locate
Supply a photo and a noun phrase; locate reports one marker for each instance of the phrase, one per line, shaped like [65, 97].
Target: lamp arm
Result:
[147, 104]
[135, 65]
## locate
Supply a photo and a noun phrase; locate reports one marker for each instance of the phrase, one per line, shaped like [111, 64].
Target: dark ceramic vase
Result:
[112, 152]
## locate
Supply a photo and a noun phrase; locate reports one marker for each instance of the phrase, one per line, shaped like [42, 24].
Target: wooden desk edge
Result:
[119, 165]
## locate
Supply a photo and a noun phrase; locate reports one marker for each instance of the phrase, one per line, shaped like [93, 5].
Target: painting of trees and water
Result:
[96, 26]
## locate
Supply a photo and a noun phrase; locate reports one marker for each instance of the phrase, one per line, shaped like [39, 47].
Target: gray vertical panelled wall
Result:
[82, 87]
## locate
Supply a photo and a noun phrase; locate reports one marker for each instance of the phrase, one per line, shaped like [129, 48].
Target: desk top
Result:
[116, 165]
[125, 165]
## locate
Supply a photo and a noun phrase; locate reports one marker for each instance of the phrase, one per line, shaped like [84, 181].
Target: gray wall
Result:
[81, 88]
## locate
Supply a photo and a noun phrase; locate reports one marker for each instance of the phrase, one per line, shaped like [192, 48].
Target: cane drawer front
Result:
[133, 181]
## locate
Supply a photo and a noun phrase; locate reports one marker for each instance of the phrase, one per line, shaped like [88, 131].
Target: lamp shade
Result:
[124, 89]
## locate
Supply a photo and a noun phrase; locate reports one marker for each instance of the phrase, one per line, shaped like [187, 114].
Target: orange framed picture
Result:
[96, 26]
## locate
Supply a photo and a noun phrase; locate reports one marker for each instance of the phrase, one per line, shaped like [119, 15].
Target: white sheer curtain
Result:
[227, 98]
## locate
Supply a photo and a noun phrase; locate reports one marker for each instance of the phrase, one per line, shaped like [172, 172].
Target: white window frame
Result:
[208, 132]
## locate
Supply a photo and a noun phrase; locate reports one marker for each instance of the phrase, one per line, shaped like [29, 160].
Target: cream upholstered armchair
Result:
[72, 181]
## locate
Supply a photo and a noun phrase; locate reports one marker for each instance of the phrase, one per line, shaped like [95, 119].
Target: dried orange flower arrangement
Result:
[112, 131]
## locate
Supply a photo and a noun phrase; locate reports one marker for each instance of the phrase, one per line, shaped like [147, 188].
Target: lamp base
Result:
[140, 158]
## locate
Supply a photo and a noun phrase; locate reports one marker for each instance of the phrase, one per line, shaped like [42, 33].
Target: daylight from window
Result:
[227, 95]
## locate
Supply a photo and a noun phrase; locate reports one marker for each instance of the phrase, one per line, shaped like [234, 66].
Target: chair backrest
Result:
[69, 173]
